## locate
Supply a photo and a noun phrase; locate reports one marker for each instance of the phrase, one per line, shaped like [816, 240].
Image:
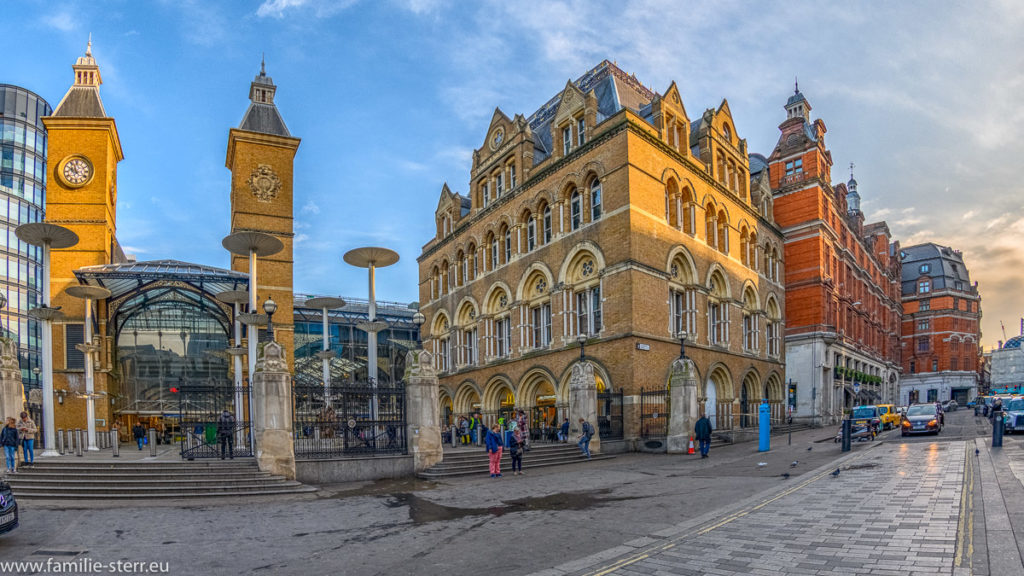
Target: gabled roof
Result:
[81, 102]
[262, 115]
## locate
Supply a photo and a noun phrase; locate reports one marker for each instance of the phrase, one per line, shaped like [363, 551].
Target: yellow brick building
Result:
[609, 213]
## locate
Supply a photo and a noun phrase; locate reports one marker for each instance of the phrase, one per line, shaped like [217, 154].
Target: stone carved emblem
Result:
[264, 183]
[541, 286]
[503, 301]
[588, 267]
[675, 271]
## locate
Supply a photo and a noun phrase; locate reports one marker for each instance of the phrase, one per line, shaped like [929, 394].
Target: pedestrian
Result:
[474, 428]
[226, 433]
[27, 436]
[563, 432]
[524, 425]
[494, 450]
[464, 426]
[139, 433]
[586, 431]
[9, 440]
[702, 431]
[515, 450]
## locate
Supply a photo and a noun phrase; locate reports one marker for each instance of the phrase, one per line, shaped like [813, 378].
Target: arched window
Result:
[492, 241]
[471, 256]
[508, 245]
[726, 133]
[463, 270]
[546, 235]
[744, 246]
[689, 212]
[671, 202]
[752, 250]
[710, 228]
[595, 200]
[531, 234]
[575, 211]
[718, 311]
[723, 232]
[773, 327]
[751, 322]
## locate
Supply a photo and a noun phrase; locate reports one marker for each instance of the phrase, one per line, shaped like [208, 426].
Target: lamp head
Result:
[418, 318]
[270, 306]
[37, 370]
[683, 335]
[581, 338]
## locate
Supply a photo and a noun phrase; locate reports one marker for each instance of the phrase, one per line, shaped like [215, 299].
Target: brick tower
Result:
[260, 156]
[84, 150]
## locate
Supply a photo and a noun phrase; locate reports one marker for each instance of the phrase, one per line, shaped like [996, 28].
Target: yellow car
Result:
[889, 416]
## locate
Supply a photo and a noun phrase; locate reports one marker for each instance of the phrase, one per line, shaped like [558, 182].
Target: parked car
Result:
[921, 419]
[8, 509]
[889, 416]
[869, 415]
[950, 405]
[1013, 414]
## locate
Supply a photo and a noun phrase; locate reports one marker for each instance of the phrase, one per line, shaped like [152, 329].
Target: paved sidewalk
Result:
[893, 509]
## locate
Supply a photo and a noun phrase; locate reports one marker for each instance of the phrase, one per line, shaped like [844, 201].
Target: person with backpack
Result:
[515, 450]
[9, 440]
[139, 434]
[226, 433]
[494, 450]
[587, 431]
[474, 428]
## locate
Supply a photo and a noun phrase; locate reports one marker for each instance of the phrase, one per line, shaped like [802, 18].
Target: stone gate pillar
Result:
[272, 400]
[12, 391]
[682, 405]
[423, 424]
[583, 403]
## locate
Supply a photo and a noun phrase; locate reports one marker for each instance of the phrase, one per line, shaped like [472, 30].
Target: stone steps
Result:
[71, 480]
[474, 461]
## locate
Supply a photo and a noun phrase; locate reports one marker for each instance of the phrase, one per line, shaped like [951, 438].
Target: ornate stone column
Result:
[683, 411]
[12, 391]
[583, 402]
[423, 431]
[272, 398]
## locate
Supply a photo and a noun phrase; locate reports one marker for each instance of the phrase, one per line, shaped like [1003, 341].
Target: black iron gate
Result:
[201, 433]
[609, 415]
[654, 409]
[349, 419]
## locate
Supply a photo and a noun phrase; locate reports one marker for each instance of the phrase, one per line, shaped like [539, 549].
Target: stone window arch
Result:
[718, 309]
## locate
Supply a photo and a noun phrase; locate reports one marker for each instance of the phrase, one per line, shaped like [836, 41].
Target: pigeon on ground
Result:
[795, 462]
[976, 451]
[762, 464]
[836, 473]
[784, 474]
[809, 448]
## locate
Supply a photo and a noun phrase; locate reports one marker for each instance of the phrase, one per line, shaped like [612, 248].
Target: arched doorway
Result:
[539, 398]
[711, 403]
[719, 397]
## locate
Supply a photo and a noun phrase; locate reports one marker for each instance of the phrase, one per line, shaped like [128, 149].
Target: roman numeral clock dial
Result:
[75, 171]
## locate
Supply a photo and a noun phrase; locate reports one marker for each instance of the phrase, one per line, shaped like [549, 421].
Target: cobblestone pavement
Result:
[893, 510]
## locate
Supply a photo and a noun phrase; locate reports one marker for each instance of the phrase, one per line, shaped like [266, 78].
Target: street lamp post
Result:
[270, 307]
[682, 344]
[236, 298]
[582, 339]
[326, 303]
[89, 293]
[371, 258]
[418, 319]
[49, 236]
[253, 245]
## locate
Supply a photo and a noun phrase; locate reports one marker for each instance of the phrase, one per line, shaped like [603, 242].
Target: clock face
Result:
[76, 171]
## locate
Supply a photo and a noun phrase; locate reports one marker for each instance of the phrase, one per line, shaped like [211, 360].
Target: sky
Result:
[390, 97]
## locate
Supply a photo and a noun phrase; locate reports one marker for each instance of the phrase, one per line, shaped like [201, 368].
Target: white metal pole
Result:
[49, 427]
[239, 415]
[254, 330]
[90, 401]
[371, 342]
[326, 362]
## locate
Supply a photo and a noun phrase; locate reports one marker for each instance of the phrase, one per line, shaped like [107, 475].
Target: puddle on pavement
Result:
[378, 488]
[422, 511]
[861, 466]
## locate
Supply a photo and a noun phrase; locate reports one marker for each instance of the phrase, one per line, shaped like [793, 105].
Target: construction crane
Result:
[1004, 331]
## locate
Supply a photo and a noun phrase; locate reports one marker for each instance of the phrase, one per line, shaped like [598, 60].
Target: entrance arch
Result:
[750, 399]
[467, 399]
[718, 398]
[539, 397]
[499, 400]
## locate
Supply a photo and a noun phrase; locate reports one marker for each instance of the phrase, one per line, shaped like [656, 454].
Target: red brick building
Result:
[842, 278]
[941, 326]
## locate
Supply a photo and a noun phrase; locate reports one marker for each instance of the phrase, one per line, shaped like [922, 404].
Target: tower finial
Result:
[88, 48]
[263, 65]
[796, 85]
[851, 170]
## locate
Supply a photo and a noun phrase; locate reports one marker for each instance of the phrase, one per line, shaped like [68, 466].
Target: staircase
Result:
[473, 461]
[69, 480]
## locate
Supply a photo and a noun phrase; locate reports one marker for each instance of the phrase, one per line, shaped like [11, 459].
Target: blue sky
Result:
[390, 97]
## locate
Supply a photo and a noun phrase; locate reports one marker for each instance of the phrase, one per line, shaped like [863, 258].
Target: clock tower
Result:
[261, 154]
[81, 195]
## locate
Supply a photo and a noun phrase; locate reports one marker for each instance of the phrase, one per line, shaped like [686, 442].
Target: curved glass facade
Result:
[22, 196]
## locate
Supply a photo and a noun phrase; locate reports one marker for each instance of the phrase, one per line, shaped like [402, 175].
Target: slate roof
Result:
[945, 268]
[81, 102]
[263, 117]
[614, 90]
[758, 163]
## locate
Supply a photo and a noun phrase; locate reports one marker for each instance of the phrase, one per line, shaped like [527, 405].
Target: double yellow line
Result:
[965, 526]
[671, 543]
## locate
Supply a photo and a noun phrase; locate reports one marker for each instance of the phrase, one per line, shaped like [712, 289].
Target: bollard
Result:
[78, 442]
[455, 437]
[152, 441]
[115, 443]
[847, 429]
[997, 429]
[764, 416]
[60, 442]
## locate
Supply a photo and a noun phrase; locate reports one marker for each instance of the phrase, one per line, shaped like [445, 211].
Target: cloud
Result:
[300, 238]
[62, 21]
[310, 207]
[320, 8]
[134, 250]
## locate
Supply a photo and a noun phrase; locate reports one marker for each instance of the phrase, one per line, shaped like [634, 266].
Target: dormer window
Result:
[924, 286]
[566, 140]
[726, 133]
[581, 132]
[925, 268]
[794, 167]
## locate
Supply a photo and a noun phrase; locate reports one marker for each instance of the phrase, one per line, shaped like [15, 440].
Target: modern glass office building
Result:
[22, 195]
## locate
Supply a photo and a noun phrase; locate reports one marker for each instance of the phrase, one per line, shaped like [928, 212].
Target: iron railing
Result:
[609, 416]
[354, 419]
[654, 409]
[199, 426]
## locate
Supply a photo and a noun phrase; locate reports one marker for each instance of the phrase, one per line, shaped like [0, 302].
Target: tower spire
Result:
[263, 65]
[88, 47]
[851, 170]
[796, 85]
